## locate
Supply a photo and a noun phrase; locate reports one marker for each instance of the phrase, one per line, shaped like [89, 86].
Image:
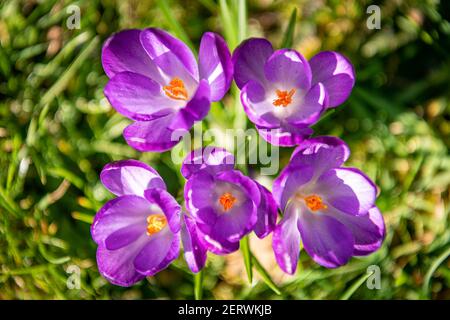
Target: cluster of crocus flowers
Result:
[155, 80]
[139, 232]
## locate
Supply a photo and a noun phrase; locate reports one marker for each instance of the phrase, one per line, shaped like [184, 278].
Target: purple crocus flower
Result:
[329, 208]
[224, 204]
[155, 80]
[283, 94]
[138, 233]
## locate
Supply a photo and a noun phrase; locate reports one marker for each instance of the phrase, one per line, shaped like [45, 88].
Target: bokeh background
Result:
[57, 131]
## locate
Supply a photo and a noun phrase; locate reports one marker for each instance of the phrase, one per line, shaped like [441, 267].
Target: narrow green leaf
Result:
[198, 285]
[174, 24]
[436, 263]
[288, 38]
[245, 248]
[84, 217]
[69, 74]
[229, 27]
[265, 276]
[355, 286]
[242, 20]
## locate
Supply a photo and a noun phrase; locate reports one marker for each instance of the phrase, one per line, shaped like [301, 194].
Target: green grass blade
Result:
[242, 20]
[436, 263]
[245, 248]
[229, 27]
[198, 285]
[347, 294]
[288, 38]
[265, 276]
[174, 24]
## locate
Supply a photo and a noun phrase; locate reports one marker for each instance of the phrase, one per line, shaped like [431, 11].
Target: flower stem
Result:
[198, 285]
[245, 247]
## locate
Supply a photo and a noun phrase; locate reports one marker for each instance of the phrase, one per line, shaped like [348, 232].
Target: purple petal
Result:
[130, 177]
[117, 265]
[285, 136]
[336, 73]
[159, 251]
[348, 190]
[326, 240]
[267, 213]
[249, 59]
[123, 52]
[322, 153]
[309, 111]
[194, 248]
[215, 64]
[138, 97]
[119, 213]
[214, 159]
[197, 191]
[368, 230]
[289, 181]
[154, 135]
[125, 236]
[168, 205]
[258, 108]
[169, 53]
[196, 109]
[248, 185]
[288, 69]
[286, 241]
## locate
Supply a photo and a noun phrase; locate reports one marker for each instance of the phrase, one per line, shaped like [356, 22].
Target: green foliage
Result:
[57, 131]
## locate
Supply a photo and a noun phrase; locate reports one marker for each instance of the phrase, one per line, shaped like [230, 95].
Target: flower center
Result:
[227, 201]
[155, 223]
[176, 89]
[284, 98]
[314, 202]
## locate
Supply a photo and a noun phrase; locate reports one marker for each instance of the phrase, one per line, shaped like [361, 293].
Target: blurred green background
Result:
[57, 131]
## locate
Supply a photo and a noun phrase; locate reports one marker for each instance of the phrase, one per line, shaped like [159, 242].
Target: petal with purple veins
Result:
[325, 239]
[213, 159]
[286, 240]
[215, 64]
[128, 177]
[194, 248]
[249, 59]
[368, 230]
[336, 73]
[347, 189]
[159, 251]
[288, 69]
[123, 51]
[138, 97]
[154, 135]
[168, 52]
[119, 213]
[267, 213]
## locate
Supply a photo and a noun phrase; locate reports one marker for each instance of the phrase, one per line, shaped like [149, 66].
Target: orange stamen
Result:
[176, 89]
[155, 223]
[315, 203]
[227, 201]
[284, 98]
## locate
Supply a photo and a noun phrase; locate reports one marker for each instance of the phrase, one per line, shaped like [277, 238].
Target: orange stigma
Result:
[315, 203]
[176, 89]
[284, 98]
[227, 201]
[155, 223]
